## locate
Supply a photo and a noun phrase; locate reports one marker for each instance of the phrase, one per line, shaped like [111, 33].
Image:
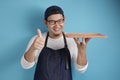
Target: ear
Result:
[64, 18]
[45, 22]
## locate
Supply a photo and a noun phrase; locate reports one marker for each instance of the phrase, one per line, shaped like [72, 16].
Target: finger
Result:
[87, 40]
[39, 33]
[83, 41]
[77, 40]
[38, 46]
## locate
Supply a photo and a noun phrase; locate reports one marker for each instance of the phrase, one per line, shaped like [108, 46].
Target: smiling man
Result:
[53, 52]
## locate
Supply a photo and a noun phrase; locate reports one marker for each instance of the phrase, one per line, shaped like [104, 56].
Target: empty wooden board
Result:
[85, 35]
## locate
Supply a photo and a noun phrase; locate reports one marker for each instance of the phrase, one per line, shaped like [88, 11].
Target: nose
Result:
[56, 23]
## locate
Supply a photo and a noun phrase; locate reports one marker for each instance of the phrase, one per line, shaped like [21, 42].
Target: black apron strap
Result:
[64, 40]
[67, 54]
[46, 39]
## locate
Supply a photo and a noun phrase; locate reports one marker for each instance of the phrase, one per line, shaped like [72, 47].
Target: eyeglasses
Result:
[52, 22]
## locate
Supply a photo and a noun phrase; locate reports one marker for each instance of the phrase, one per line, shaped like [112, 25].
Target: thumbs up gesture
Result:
[39, 41]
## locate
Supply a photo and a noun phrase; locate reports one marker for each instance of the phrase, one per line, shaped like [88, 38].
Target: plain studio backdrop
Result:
[19, 20]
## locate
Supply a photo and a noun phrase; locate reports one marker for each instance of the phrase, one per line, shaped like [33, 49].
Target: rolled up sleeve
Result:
[80, 68]
[25, 64]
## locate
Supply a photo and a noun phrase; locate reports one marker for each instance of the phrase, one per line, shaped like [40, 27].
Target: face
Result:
[55, 24]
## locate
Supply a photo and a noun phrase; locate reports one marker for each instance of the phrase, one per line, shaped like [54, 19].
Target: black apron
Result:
[54, 64]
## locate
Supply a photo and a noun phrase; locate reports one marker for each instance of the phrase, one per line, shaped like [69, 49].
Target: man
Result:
[53, 52]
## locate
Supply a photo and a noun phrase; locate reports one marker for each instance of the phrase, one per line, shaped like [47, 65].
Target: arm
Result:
[81, 61]
[28, 59]
[81, 58]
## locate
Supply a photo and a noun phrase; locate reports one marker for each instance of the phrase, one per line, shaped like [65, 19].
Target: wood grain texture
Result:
[85, 35]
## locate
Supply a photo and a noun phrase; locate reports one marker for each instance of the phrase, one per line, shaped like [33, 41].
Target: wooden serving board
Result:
[85, 35]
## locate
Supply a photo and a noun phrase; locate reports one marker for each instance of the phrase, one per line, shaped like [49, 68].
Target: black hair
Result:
[53, 10]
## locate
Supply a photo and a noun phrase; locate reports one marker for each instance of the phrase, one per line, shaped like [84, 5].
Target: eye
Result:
[61, 20]
[51, 21]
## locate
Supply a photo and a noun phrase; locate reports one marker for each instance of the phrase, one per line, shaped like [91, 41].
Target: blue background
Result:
[19, 20]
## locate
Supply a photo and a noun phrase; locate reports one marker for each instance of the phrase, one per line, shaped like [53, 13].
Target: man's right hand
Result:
[39, 41]
[37, 44]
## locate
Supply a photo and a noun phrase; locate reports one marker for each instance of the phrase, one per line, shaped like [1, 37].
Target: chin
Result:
[57, 33]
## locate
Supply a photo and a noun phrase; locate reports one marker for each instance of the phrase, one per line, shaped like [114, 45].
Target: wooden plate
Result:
[85, 35]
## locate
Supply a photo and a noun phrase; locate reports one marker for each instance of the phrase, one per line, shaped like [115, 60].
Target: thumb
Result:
[39, 33]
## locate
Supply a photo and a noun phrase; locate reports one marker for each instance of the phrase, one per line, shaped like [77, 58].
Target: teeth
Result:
[56, 29]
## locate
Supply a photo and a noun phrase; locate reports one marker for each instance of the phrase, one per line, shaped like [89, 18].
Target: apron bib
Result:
[53, 64]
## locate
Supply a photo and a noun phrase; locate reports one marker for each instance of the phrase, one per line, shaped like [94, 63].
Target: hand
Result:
[39, 41]
[82, 45]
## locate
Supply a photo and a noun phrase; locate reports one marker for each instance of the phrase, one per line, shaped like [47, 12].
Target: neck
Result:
[55, 36]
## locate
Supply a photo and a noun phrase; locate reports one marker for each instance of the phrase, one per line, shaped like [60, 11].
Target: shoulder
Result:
[71, 43]
[70, 40]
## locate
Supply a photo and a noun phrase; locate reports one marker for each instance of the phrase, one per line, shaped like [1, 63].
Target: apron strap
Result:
[64, 40]
[46, 39]
[67, 55]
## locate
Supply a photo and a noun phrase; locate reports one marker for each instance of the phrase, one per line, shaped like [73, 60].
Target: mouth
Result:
[56, 29]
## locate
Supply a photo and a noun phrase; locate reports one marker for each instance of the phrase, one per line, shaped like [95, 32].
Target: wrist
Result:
[82, 51]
